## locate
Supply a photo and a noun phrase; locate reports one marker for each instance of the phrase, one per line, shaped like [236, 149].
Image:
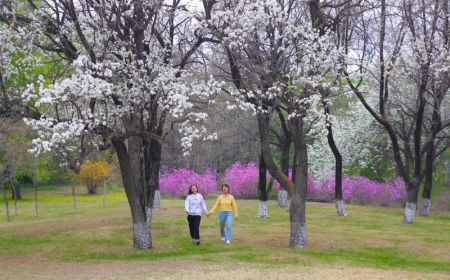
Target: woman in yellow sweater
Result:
[227, 209]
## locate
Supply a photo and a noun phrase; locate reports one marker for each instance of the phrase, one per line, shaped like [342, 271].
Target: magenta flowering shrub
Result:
[243, 179]
[361, 190]
[177, 181]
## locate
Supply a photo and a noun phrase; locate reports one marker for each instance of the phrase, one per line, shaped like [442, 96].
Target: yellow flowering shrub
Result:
[92, 173]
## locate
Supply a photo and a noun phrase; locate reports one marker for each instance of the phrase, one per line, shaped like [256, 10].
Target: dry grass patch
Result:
[31, 268]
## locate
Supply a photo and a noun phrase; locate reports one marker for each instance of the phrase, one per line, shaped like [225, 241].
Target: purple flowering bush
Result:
[243, 179]
[176, 182]
[360, 190]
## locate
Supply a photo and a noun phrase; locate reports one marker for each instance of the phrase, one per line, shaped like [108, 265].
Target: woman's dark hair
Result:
[190, 191]
[226, 185]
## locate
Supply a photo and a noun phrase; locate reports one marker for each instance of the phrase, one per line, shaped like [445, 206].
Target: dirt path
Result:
[29, 268]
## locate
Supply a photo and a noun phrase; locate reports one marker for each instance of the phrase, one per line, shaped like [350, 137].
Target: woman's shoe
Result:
[228, 242]
[223, 239]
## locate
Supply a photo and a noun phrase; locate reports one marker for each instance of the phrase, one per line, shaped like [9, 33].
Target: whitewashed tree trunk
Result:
[410, 213]
[282, 198]
[157, 200]
[425, 207]
[298, 237]
[340, 208]
[142, 235]
[263, 209]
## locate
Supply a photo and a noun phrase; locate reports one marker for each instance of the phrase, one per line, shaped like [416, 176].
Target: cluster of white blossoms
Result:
[355, 134]
[109, 81]
[280, 56]
[17, 59]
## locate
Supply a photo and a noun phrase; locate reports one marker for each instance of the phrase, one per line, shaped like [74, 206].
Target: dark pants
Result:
[194, 225]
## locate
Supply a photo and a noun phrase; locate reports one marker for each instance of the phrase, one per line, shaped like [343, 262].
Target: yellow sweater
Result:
[225, 203]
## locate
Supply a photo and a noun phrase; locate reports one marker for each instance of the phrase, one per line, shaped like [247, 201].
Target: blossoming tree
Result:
[405, 71]
[124, 78]
[278, 59]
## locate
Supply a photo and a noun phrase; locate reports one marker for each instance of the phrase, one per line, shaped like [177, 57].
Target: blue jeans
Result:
[226, 217]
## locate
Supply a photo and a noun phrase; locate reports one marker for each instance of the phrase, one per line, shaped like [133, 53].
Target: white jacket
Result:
[194, 204]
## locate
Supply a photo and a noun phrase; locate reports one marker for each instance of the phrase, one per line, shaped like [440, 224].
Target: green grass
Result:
[369, 237]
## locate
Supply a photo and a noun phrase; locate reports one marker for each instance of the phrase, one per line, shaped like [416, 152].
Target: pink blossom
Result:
[177, 181]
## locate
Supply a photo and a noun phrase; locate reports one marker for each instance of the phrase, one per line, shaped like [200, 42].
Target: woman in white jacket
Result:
[194, 205]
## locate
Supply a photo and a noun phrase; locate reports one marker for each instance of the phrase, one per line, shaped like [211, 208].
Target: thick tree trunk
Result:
[152, 159]
[8, 216]
[412, 191]
[152, 156]
[338, 165]
[426, 194]
[132, 171]
[298, 238]
[262, 189]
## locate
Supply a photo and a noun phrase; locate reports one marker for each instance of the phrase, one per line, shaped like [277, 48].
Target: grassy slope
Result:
[371, 237]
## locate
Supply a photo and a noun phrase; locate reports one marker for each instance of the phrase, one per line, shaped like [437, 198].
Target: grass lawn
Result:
[96, 242]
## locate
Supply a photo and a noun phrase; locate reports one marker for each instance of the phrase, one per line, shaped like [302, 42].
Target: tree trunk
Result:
[282, 198]
[8, 217]
[13, 189]
[262, 189]
[298, 238]
[157, 200]
[426, 194]
[92, 187]
[412, 191]
[282, 193]
[131, 166]
[338, 164]
[152, 158]
[152, 155]
[16, 192]
[294, 172]
[35, 197]
[285, 144]
[74, 199]
[104, 192]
